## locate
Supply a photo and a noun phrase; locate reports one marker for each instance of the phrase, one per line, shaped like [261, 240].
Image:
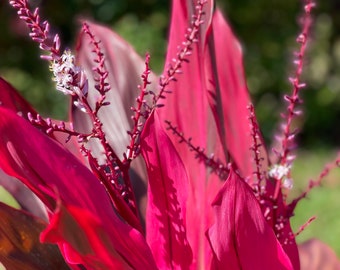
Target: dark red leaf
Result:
[20, 247]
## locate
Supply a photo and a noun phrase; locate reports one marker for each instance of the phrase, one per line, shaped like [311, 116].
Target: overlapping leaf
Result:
[55, 172]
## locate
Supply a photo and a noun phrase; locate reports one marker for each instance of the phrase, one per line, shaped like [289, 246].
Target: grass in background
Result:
[323, 202]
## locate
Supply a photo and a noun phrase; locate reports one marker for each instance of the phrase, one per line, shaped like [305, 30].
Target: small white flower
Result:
[287, 183]
[279, 171]
[64, 71]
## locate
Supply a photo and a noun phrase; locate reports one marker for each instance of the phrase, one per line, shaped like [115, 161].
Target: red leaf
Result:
[19, 242]
[167, 195]
[46, 168]
[240, 237]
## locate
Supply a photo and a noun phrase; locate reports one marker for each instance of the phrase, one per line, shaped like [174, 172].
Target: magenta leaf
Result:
[241, 237]
[167, 196]
[55, 172]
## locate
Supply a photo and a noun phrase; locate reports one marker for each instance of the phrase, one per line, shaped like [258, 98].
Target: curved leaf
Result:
[241, 237]
[25, 197]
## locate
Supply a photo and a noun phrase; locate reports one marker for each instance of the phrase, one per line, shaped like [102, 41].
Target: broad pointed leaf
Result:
[167, 195]
[82, 238]
[241, 237]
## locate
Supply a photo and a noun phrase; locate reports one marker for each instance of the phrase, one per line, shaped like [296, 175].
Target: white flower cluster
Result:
[64, 71]
[70, 79]
[280, 172]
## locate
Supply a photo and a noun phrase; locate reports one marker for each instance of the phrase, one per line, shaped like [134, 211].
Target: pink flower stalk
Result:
[200, 211]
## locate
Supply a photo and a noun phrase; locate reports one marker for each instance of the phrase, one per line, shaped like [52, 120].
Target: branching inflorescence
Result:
[72, 80]
[113, 173]
[141, 113]
[143, 109]
[293, 100]
[255, 134]
[281, 172]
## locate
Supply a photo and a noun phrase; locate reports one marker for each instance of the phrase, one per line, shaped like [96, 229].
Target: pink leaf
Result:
[316, 255]
[240, 237]
[83, 239]
[46, 168]
[167, 195]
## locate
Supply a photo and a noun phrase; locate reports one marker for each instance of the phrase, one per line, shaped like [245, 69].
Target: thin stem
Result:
[182, 55]
[287, 138]
[216, 166]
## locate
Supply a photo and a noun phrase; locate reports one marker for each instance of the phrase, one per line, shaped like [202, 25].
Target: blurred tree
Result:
[267, 30]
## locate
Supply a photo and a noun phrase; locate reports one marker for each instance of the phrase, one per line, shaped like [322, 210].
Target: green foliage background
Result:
[267, 31]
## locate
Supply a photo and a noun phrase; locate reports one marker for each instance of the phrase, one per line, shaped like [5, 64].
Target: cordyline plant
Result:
[227, 210]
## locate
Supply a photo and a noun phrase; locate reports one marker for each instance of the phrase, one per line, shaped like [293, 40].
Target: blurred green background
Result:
[267, 31]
